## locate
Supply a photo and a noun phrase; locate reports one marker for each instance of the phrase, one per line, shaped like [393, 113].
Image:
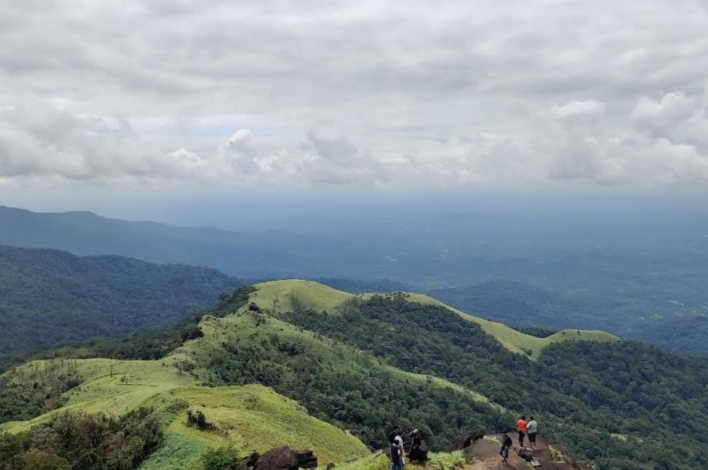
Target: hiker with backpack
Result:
[522, 427]
[531, 431]
[505, 446]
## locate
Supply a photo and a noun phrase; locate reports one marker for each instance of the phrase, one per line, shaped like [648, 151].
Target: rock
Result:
[284, 458]
[463, 442]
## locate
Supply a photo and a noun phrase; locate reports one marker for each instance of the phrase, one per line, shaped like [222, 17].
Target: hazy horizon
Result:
[316, 211]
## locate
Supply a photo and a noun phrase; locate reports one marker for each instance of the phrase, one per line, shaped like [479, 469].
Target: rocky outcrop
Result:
[464, 442]
[284, 458]
[546, 457]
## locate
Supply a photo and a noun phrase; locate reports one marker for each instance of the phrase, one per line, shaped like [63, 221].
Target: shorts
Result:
[532, 437]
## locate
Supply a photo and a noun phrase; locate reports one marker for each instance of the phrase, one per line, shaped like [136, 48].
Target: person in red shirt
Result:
[522, 427]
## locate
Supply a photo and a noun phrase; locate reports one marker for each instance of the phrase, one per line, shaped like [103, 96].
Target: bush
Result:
[198, 420]
[38, 460]
[218, 459]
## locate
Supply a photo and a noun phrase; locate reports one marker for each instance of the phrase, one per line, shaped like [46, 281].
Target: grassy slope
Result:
[254, 417]
[250, 417]
[279, 296]
[132, 384]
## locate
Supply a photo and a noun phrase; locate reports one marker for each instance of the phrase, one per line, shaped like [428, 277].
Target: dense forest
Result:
[50, 297]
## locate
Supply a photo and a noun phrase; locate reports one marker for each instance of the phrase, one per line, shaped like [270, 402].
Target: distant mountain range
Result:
[271, 254]
[563, 278]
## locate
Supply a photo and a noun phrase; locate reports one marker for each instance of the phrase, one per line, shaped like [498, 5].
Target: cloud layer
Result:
[357, 94]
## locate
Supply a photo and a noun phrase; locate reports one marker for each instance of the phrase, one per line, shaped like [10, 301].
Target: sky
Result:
[134, 96]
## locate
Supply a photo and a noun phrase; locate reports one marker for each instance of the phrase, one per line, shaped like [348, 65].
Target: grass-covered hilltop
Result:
[300, 364]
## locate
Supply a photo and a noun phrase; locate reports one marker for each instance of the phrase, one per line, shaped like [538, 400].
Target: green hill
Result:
[250, 417]
[298, 363]
[49, 297]
[283, 296]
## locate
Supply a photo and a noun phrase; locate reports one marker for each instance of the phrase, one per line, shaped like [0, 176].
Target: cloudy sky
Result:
[353, 94]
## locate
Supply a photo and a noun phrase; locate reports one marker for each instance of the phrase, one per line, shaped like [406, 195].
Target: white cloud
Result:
[442, 95]
[670, 108]
[578, 110]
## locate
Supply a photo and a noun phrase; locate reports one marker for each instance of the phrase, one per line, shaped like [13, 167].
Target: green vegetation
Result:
[517, 341]
[176, 453]
[296, 363]
[255, 418]
[336, 383]
[372, 462]
[51, 297]
[626, 308]
[285, 296]
[220, 458]
[584, 390]
[80, 441]
[248, 418]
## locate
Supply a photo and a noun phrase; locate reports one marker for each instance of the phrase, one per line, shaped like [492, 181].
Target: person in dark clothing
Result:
[505, 446]
[416, 440]
[396, 456]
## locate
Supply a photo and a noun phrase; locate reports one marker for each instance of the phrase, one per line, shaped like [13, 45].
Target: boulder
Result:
[247, 463]
[464, 442]
[284, 458]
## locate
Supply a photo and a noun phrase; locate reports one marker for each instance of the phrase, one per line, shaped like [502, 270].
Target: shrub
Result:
[218, 459]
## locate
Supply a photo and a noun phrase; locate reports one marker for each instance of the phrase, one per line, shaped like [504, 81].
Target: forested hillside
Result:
[49, 297]
[365, 363]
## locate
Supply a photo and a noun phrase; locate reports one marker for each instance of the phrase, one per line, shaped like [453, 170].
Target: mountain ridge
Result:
[365, 363]
[317, 296]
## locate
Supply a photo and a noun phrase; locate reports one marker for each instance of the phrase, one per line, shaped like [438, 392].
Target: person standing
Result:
[532, 430]
[505, 446]
[522, 426]
[399, 440]
[396, 456]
